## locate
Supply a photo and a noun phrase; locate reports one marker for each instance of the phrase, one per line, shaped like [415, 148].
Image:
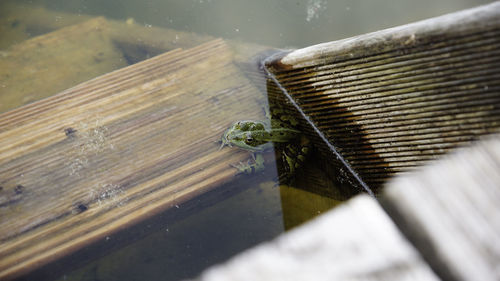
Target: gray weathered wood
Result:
[394, 99]
[357, 241]
[451, 212]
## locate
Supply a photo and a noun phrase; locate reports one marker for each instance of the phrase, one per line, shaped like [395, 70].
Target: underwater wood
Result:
[109, 152]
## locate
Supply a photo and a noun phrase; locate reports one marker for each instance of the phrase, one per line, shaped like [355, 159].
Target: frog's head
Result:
[226, 139]
[248, 135]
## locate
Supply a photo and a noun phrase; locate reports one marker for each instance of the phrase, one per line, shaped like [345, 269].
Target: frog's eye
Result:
[249, 139]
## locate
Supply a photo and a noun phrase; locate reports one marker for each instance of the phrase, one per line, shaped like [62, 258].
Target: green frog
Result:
[257, 137]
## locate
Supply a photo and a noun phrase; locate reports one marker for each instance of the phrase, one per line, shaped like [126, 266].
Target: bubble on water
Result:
[314, 8]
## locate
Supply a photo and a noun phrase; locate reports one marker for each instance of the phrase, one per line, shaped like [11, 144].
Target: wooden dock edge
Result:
[389, 101]
[449, 210]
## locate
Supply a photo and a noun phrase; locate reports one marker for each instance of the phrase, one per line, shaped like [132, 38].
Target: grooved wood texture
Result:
[394, 99]
[112, 151]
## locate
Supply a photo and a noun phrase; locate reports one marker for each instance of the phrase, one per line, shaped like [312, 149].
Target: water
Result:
[181, 242]
[172, 246]
[279, 23]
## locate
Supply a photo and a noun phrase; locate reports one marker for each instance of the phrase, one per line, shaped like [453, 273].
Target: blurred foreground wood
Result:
[443, 223]
[450, 211]
[93, 159]
[391, 100]
[356, 241]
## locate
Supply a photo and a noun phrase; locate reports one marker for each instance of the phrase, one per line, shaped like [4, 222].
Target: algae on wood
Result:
[45, 65]
[394, 99]
[111, 151]
[71, 49]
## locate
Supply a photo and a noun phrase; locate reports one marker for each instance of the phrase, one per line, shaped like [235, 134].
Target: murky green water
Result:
[180, 244]
[276, 23]
[280, 23]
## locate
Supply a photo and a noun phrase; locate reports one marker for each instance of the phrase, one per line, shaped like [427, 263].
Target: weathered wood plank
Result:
[394, 99]
[356, 241]
[45, 65]
[450, 211]
[31, 20]
[114, 150]
[74, 49]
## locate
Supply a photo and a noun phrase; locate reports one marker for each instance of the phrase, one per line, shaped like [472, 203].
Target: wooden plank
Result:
[394, 99]
[356, 241]
[96, 44]
[48, 64]
[111, 151]
[31, 20]
[45, 64]
[450, 211]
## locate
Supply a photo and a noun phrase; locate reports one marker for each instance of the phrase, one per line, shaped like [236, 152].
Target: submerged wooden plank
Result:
[392, 100]
[73, 49]
[356, 241]
[76, 47]
[44, 65]
[451, 213]
[32, 20]
[111, 151]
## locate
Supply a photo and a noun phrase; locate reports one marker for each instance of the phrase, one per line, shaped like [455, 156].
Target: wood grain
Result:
[45, 65]
[392, 100]
[450, 211]
[111, 151]
[73, 49]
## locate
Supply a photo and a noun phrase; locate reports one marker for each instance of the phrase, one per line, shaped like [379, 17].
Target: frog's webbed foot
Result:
[292, 159]
[249, 168]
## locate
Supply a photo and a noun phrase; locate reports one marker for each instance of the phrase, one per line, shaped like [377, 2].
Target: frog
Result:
[279, 131]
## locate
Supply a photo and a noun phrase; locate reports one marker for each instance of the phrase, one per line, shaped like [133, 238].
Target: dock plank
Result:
[450, 211]
[355, 241]
[392, 100]
[112, 151]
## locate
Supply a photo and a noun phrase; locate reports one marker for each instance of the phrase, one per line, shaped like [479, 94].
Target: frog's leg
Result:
[293, 157]
[249, 168]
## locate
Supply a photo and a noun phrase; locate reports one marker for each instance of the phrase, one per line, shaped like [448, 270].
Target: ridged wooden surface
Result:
[394, 99]
[117, 149]
[97, 45]
[449, 210]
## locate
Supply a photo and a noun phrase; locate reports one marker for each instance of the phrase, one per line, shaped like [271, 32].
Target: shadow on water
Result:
[182, 241]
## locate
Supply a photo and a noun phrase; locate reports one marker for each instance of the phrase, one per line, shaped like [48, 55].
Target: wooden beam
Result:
[74, 49]
[48, 64]
[356, 241]
[450, 211]
[114, 150]
[59, 54]
[389, 101]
